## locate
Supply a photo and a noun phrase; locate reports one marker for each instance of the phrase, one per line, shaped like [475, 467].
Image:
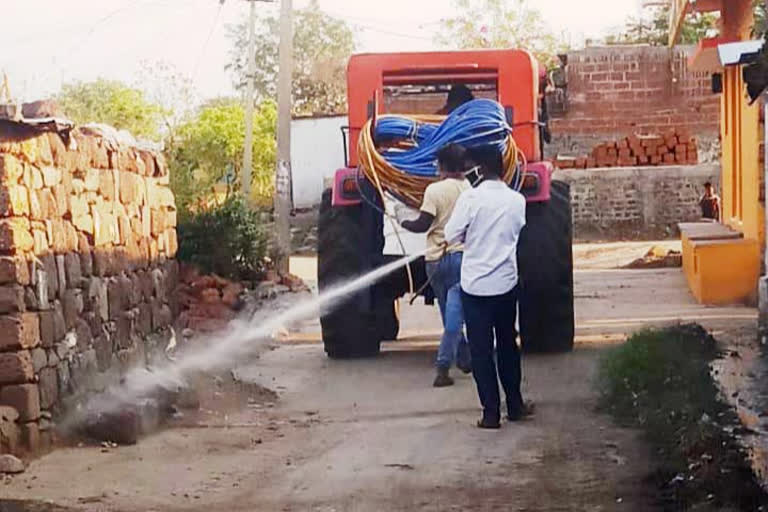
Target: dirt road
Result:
[373, 435]
[367, 436]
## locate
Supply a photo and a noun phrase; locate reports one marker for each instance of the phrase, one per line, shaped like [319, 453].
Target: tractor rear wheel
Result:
[387, 319]
[545, 257]
[349, 327]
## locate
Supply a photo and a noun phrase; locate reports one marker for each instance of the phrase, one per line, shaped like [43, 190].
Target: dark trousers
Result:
[484, 317]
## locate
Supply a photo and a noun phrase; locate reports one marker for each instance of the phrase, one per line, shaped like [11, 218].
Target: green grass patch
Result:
[660, 381]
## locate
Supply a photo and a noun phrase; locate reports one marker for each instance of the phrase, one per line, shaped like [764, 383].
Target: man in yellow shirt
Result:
[443, 263]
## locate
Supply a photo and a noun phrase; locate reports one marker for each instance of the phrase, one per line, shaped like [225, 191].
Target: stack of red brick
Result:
[208, 302]
[676, 147]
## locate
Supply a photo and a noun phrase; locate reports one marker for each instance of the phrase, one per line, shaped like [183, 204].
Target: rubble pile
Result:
[87, 241]
[209, 302]
[657, 257]
[676, 147]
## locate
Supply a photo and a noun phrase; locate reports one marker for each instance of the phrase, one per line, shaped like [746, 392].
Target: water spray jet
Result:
[242, 339]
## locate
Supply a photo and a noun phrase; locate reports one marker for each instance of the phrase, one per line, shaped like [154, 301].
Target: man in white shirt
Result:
[487, 220]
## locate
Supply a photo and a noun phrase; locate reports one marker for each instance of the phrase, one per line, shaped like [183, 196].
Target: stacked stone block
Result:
[87, 270]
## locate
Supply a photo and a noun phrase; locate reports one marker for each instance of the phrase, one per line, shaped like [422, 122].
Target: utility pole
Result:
[283, 192]
[248, 149]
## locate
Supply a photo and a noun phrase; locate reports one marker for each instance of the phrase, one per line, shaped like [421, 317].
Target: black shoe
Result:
[489, 424]
[526, 411]
[442, 380]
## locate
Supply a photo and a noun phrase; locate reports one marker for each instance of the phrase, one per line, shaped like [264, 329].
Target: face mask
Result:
[473, 176]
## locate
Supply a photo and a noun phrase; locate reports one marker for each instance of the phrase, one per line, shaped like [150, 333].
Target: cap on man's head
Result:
[489, 158]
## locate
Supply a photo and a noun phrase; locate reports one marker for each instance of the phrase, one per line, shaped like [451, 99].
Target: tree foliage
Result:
[653, 28]
[163, 84]
[500, 24]
[208, 150]
[321, 45]
[760, 28]
[112, 103]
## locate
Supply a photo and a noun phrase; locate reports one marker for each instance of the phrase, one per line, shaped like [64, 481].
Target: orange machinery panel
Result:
[515, 73]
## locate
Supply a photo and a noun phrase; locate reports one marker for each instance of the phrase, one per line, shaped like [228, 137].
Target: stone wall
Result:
[642, 203]
[87, 241]
[615, 91]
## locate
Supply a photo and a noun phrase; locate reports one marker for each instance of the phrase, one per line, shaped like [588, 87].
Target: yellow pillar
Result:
[740, 133]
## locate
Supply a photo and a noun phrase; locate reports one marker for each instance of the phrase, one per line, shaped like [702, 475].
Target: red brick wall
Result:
[617, 90]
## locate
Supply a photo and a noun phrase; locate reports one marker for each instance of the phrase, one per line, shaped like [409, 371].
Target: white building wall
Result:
[316, 153]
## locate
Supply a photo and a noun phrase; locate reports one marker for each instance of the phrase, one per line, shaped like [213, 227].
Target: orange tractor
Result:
[354, 235]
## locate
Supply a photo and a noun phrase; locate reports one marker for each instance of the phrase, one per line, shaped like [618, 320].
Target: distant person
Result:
[457, 96]
[710, 203]
[488, 219]
[444, 263]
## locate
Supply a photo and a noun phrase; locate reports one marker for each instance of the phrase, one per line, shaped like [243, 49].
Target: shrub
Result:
[657, 371]
[228, 239]
[661, 382]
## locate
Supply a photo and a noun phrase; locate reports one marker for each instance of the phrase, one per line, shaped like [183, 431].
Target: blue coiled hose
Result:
[408, 168]
[479, 122]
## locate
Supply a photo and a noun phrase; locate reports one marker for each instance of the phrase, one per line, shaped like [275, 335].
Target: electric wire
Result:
[408, 165]
[204, 48]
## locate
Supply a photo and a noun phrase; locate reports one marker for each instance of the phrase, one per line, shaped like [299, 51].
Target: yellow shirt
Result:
[439, 200]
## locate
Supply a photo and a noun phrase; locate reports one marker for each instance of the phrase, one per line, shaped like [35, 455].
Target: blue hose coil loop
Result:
[479, 122]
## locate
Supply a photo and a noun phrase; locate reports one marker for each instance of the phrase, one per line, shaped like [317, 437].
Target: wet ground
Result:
[29, 506]
[366, 435]
[374, 435]
[743, 377]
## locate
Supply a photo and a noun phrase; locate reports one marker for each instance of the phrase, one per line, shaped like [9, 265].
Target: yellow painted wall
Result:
[740, 131]
[722, 271]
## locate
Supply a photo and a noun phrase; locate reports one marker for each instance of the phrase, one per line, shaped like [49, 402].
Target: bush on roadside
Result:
[660, 381]
[228, 239]
[656, 371]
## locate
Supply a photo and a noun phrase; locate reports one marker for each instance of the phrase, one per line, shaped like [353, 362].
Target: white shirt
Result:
[488, 220]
